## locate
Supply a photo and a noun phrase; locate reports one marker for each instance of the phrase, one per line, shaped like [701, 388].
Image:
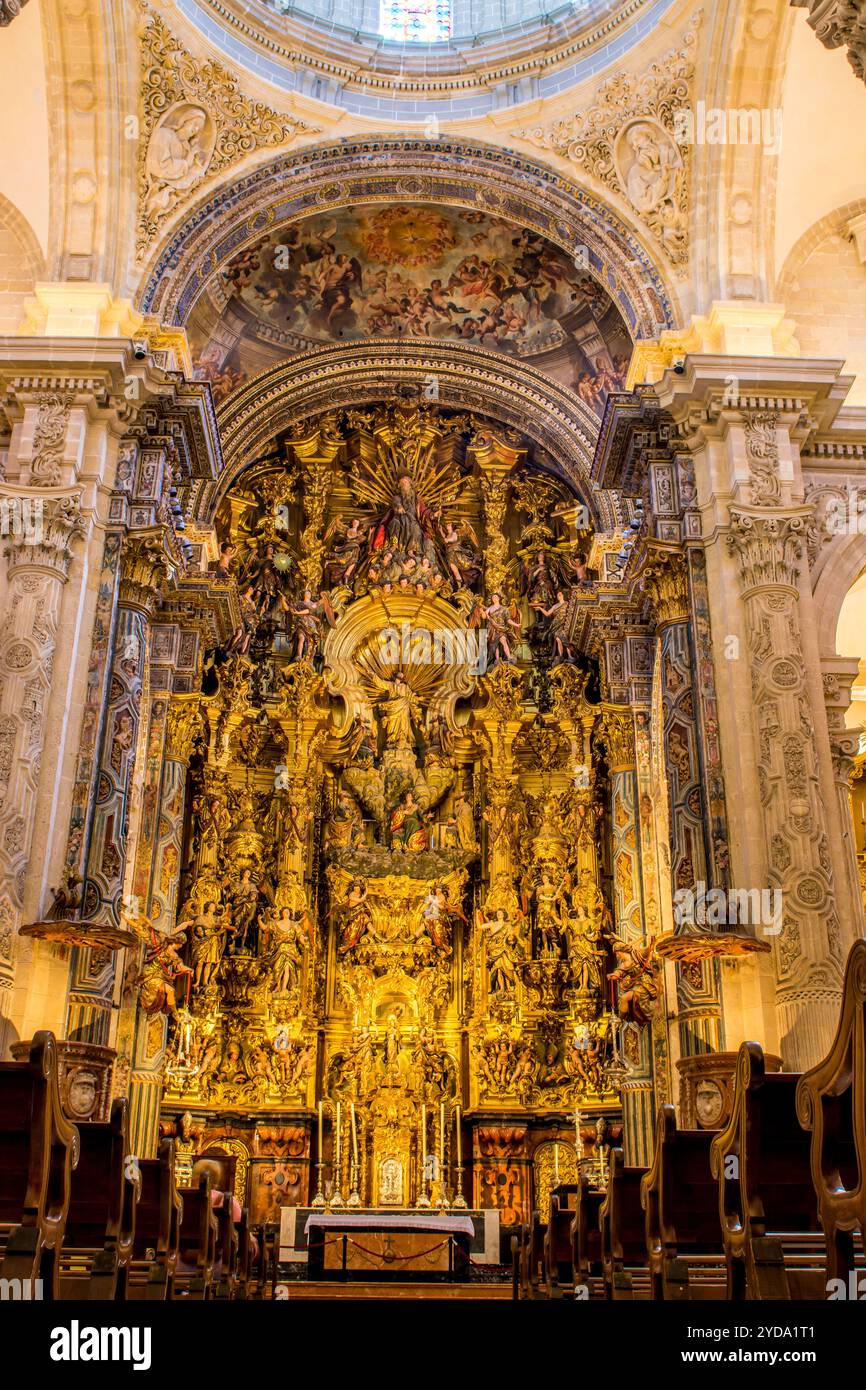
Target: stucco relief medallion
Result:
[180, 150]
[785, 675]
[18, 656]
[811, 892]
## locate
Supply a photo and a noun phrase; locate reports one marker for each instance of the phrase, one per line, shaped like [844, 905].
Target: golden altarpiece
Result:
[394, 902]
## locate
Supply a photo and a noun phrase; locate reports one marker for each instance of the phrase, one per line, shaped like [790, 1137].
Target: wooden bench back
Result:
[160, 1207]
[39, 1148]
[679, 1192]
[621, 1216]
[587, 1235]
[105, 1188]
[831, 1105]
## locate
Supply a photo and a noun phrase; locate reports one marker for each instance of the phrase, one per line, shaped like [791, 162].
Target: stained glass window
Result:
[416, 21]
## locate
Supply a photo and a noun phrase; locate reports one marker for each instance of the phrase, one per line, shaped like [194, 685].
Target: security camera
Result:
[139, 348]
[679, 366]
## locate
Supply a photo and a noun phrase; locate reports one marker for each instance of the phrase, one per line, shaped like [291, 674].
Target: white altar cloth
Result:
[381, 1221]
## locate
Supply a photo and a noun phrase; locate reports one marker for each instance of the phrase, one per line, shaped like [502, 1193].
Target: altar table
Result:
[387, 1245]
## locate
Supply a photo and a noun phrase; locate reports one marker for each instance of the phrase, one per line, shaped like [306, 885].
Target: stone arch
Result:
[823, 288]
[321, 178]
[843, 561]
[502, 389]
[21, 264]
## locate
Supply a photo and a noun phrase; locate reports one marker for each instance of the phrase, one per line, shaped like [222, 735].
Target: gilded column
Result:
[698, 993]
[175, 722]
[143, 565]
[629, 923]
[317, 454]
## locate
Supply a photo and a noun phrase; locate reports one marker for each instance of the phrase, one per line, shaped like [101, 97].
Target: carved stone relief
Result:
[195, 122]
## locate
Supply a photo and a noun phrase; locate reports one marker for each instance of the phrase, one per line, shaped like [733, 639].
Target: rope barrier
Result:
[394, 1259]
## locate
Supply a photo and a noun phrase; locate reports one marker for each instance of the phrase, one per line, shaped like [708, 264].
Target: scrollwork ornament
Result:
[196, 122]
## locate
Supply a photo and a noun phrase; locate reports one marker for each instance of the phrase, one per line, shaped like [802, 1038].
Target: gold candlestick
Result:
[459, 1200]
[354, 1194]
[319, 1199]
[423, 1199]
[337, 1199]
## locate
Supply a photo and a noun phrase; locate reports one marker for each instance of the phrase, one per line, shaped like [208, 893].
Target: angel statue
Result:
[264, 582]
[346, 550]
[310, 616]
[637, 976]
[503, 628]
[462, 553]
[162, 965]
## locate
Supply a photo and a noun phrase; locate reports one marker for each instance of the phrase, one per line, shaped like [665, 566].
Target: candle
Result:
[354, 1139]
[556, 1162]
[337, 1144]
[320, 1131]
[442, 1135]
[577, 1134]
[458, 1137]
[423, 1143]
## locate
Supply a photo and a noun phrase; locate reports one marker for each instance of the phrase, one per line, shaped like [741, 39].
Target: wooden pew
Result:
[258, 1263]
[38, 1150]
[831, 1105]
[680, 1199]
[100, 1223]
[149, 1272]
[526, 1252]
[225, 1270]
[622, 1233]
[556, 1256]
[193, 1276]
[774, 1247]
[585, 1236]
[222, 1169]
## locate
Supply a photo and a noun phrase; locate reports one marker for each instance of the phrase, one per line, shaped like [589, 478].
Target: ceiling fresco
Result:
[409, 272]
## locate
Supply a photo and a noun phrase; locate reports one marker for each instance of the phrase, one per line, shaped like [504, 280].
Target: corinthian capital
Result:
[840, 23]
[144, 565]
[767, 547]
[617, 731]
[184, 722]
[665, 580]
[9, 9]
[44, 538]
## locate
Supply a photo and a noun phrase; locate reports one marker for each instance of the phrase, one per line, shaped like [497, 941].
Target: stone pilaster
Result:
[839, 674]
[808, 952]
[39, 562]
